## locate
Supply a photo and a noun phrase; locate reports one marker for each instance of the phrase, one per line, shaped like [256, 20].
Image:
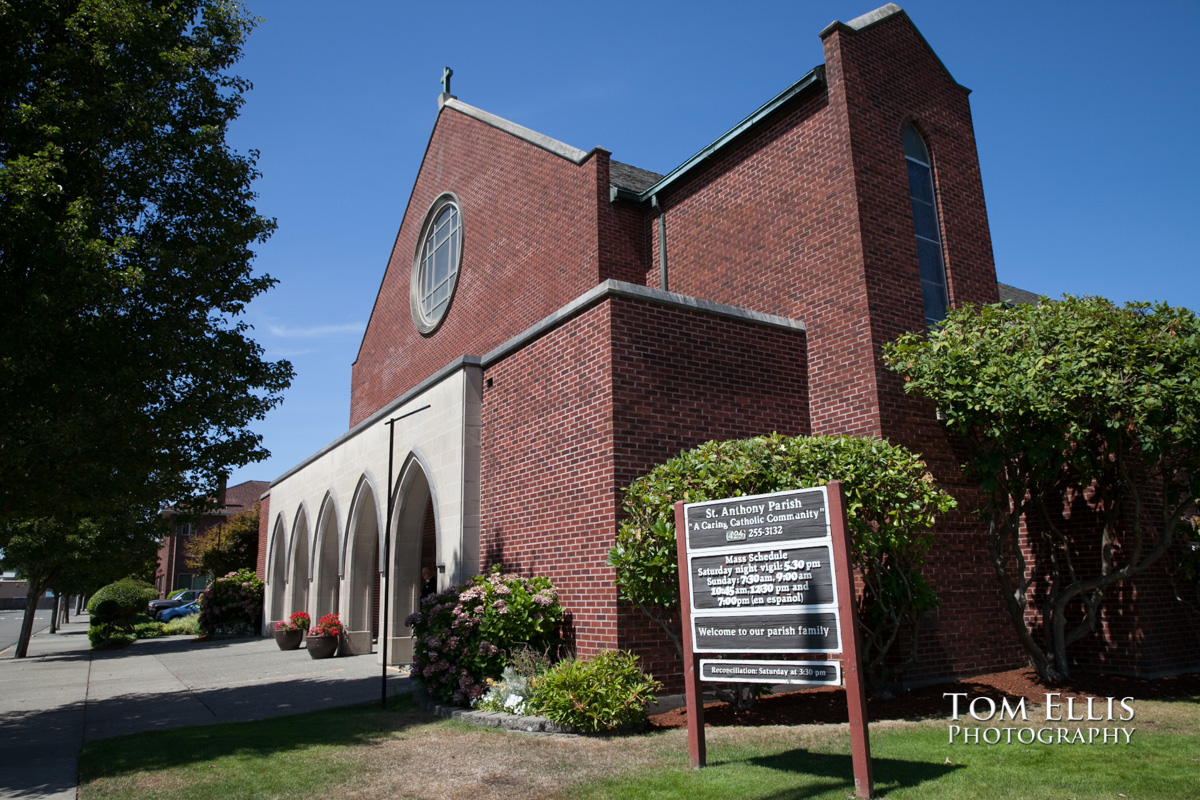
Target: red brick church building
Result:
[552, 323]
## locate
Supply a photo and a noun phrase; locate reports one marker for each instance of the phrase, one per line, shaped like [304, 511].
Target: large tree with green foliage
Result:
[127, 378]
[891, 503]
[76, 558]
[1057, 401]
[227, 547]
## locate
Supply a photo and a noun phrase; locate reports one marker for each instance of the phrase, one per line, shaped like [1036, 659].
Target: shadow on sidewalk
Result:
[141, 712]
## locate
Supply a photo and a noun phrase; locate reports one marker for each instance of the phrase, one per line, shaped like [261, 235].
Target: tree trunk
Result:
[31, 598]
[54, 613]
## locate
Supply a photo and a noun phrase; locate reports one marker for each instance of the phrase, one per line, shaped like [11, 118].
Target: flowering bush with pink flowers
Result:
[232, 605]
[463, 634]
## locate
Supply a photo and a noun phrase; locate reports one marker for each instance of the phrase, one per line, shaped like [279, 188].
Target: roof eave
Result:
[815, 78]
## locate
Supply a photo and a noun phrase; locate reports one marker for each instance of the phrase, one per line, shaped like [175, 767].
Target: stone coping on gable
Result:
[549, 144]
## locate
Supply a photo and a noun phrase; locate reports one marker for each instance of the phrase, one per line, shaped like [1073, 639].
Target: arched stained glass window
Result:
[925, 223]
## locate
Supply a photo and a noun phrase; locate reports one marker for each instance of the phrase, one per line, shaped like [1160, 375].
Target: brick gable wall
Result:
[771, 225]
[529, 246]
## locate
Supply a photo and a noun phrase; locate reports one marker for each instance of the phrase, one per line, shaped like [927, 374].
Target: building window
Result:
[925, 222]
[436, 263]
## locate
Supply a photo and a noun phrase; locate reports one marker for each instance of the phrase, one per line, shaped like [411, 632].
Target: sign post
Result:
[770, 574]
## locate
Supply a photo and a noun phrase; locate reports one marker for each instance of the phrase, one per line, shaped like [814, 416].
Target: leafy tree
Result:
[891, 502]
[76, 558]
[1060, 401]
[126, 233]
[227, 547]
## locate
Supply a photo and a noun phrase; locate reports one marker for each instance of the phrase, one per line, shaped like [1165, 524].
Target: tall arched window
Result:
[925, 222]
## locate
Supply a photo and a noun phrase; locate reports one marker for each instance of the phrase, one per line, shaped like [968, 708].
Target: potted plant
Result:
[324, 637]
[289, 633]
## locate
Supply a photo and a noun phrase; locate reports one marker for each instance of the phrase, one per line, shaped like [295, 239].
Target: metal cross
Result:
[446, 73]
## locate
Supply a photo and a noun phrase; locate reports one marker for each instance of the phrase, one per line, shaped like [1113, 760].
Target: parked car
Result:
[179, 611]
[177, 599]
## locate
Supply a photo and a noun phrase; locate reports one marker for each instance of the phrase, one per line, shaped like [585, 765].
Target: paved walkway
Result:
[63, 695]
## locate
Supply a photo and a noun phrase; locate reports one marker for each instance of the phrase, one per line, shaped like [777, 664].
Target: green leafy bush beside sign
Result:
[891, 503]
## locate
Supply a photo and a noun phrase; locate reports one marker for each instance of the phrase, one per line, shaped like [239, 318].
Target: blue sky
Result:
[1086, 118]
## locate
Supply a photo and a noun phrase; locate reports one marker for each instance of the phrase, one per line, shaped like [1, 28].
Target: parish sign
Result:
[770, 574]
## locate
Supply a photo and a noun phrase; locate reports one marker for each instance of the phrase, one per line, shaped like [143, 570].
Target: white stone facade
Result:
[327, 515]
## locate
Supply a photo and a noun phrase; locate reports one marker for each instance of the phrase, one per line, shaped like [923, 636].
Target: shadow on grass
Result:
[165, 750]
[158, 685]
[889, 773]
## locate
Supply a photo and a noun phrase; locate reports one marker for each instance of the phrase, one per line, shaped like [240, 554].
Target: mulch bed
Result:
[827, 705]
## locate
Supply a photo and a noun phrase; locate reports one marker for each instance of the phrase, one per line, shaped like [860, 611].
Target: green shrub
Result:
[608, 693]
[105, 636]
[114, 609]
[123, 600]
[891, 503]
[232, 605]
[462, 634]
[149, 630]
[182, 626]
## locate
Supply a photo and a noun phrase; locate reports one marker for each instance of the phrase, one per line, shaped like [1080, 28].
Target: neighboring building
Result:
[552, 323]
[14, 591]
[173, 572]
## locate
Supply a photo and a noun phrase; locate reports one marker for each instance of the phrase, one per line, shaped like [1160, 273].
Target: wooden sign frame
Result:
[851, 664]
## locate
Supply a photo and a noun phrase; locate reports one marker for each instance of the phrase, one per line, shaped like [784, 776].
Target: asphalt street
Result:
[10, 626]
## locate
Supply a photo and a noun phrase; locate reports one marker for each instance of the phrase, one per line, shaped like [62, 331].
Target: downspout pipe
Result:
[662, 242]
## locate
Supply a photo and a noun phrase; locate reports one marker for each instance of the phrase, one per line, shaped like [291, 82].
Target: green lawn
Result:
[368, 753]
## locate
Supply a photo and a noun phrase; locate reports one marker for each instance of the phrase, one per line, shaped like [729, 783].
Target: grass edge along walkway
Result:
[368, 750]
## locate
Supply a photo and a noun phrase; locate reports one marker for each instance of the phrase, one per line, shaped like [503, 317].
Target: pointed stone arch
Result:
[276, 571]
[360, 584]
[326, 559]
[414, 544]
[299, 570]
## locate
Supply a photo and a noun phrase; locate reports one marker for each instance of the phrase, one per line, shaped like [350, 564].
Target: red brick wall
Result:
[890, 78]
[547, 482]
[772, 225]
[681, 379]
[573, 418]
[805, 217]
[809, 217]
[529, 246]
[264, 536]
[1143, 629]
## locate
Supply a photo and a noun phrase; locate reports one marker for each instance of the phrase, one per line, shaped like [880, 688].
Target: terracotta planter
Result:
[322, 646]
[289, 640]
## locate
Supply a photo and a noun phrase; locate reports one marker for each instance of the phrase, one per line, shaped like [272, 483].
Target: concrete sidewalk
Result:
[64, 694]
